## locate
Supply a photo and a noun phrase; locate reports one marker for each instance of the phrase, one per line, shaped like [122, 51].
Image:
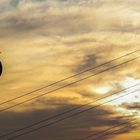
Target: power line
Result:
[116, 66]
[68, 111]
[106, 134]
[72, 115]
[87, 70]
[69, 84]
[117, 130]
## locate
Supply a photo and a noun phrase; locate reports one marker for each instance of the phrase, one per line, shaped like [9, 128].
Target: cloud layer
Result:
[43, 41]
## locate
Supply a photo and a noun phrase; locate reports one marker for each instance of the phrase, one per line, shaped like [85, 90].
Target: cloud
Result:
[72, 128]
[89, 61]
[45, 41]
[132, 106]
[48, 18]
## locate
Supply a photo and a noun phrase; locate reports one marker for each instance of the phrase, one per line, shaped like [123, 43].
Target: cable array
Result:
[67, 85]
[82, 72]
[73, 109]
[105, 132]
[70, 116]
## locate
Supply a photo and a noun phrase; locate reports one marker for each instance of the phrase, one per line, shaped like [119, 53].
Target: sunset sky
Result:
[44, 41]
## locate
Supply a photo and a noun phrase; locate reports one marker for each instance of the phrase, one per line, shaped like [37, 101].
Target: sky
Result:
[44, 41]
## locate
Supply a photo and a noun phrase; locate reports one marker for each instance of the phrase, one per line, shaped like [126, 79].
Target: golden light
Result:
[103, 90]
[129, 81]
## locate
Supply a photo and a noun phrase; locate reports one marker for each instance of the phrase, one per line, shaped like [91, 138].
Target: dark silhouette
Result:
[0, 68]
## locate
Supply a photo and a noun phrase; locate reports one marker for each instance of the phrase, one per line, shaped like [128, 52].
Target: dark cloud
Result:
[132, 106]
[124, 129]
[88, 61]
[94, 59]
[73, 128]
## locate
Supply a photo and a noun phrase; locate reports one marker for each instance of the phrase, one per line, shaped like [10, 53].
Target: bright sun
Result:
[103, 90]
[126, 83]
[129, 81]
[133, 97]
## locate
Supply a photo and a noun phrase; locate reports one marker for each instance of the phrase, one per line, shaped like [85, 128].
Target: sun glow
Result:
[129, 81]
[103, 90]
[132, 94]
